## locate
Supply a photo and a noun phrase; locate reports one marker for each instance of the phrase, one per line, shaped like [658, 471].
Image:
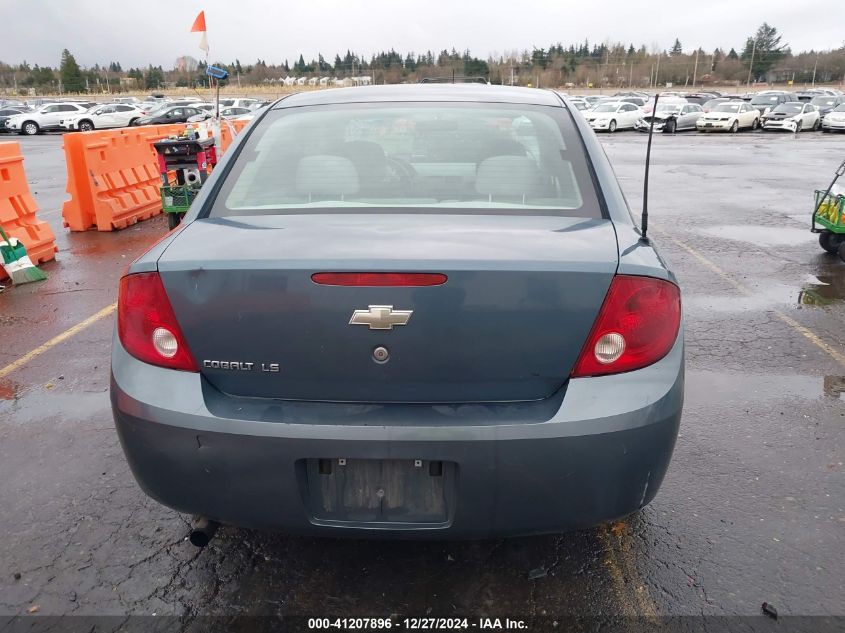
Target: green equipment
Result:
[190, 158]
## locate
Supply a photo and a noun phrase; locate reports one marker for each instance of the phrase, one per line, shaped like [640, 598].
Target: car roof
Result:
[465, 92]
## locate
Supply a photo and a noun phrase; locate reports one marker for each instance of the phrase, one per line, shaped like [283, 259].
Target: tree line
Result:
[763, 57]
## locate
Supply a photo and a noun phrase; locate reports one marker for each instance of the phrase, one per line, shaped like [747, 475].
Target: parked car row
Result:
[711, 112]
[16, 116]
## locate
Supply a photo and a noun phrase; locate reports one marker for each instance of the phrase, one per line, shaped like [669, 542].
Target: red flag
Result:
[199, 23]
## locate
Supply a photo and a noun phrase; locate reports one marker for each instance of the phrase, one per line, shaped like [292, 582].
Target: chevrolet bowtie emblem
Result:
[380, 317]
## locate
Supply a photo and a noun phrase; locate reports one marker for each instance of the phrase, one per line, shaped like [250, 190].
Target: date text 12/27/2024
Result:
[417, 624]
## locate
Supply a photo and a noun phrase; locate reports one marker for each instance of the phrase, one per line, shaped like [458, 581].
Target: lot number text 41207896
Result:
[417, 624]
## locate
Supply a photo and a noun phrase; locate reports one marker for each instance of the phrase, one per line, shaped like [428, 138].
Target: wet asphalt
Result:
[752, 509]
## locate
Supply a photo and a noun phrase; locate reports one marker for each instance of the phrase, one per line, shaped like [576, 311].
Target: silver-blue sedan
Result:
[416, 310]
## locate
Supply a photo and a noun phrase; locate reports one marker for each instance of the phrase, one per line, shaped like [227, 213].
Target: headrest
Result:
[507, 176]
[326, 175]
[368, 158]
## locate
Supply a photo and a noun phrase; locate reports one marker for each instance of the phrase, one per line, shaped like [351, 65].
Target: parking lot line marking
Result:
[804, 331]
[56, 340]
[623, 573]
[619, 558]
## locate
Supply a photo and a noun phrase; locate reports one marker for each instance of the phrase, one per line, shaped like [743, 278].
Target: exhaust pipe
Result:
[202, 531]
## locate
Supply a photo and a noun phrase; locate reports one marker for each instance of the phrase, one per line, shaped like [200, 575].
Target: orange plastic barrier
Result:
[18, 208]
[226, 137]
[113, 177]
[228, 131]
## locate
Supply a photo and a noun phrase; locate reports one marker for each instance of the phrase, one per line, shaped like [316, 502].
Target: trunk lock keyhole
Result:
[381, 355]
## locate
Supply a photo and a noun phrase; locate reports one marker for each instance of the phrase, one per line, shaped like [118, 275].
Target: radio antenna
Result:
[644, 217]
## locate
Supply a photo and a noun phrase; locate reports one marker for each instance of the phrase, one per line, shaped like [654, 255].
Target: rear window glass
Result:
[772, 99]
[408, 157]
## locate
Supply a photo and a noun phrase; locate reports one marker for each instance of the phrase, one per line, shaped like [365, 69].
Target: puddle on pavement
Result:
[765, 386]
[37, 405]
[823, 289]
[834, 387]
[818, 292]
[768, 297]
[761, 236]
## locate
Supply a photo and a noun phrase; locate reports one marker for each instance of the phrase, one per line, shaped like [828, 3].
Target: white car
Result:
[103, 117]
[834, 120]
[793, 117]
[673, 115]
[225, 113]
[237, 103]
[47, 117]
[580, 105]
[729, 117]
[613, 116]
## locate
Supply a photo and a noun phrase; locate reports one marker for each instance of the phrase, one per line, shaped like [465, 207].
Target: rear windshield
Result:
[669, 107]
[411, 157]
[766, 99]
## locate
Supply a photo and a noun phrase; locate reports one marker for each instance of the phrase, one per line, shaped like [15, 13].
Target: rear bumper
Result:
[789, 126]
[833, 125]
[601, 455]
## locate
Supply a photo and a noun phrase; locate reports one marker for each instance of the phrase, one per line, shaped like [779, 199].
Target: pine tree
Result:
[154, 78]
[766, 47]
[299, 67]
[70, 74]
[676, 49]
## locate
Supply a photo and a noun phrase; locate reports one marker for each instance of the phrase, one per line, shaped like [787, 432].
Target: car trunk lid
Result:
[508, 324]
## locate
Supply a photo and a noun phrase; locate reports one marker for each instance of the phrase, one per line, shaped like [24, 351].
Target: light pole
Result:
[695, 69]
[657, 71]
[751, 65]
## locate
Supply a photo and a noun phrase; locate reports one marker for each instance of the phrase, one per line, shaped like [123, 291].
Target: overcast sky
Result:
[156, 31]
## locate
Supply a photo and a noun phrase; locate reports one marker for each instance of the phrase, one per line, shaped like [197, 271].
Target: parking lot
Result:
[751, 511]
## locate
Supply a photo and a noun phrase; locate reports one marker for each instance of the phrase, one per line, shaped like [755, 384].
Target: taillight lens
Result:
[637, 326]
[147, 326]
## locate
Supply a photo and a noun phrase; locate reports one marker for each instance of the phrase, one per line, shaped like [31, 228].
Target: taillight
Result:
[147, 326]
[637, 326]
[379, 279]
